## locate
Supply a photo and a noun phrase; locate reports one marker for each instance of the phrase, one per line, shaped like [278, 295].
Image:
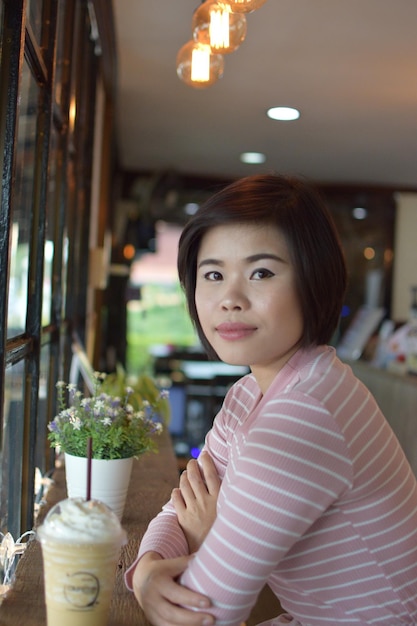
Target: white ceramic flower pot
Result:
[109, 480]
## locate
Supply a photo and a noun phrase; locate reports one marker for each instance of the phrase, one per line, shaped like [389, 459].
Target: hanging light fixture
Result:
[198, 66]
[218, 27]
[245, 6]
[214, 23]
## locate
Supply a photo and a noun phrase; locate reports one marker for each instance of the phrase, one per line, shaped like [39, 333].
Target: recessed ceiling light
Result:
[283, 113]
[252, 157]
[191, 208]
[359, 213]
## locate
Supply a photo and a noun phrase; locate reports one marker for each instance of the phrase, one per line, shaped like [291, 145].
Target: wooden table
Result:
[153, 478]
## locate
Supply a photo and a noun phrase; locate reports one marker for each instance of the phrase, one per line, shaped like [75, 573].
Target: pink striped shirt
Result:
[317, 500]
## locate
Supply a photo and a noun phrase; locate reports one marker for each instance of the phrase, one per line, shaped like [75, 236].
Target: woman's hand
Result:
[195, 500]
[162, 598]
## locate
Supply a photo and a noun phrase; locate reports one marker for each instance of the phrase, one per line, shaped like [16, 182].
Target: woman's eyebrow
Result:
[253, 258]
[210, 262]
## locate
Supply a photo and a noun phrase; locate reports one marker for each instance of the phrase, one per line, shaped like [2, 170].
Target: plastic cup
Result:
[81, 544]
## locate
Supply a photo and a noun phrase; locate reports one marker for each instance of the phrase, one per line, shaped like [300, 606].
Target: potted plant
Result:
[118, 423]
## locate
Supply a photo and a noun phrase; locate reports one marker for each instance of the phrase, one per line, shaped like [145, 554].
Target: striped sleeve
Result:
[289, 467]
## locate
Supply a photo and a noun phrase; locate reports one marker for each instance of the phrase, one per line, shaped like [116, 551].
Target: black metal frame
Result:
[65, 39]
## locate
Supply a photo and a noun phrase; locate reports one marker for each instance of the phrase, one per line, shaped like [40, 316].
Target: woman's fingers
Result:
[163, 599]
[191, 481]
[200, 478]
[210, 474]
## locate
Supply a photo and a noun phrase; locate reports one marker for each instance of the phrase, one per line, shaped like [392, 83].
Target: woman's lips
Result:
[234, 330]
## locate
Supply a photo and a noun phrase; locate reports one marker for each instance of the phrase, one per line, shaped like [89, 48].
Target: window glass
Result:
[59, 53]
[11, 449]
[22, 205]
[156, 310]
[49, 232]
[64, 275]
[34, 16]
[41, 445]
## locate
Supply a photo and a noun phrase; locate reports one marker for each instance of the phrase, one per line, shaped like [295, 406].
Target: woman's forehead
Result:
[242, 238]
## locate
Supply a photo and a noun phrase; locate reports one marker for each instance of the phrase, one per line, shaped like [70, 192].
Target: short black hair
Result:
[296, 208]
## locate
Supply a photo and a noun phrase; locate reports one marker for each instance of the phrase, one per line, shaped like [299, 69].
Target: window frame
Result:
[66, 42]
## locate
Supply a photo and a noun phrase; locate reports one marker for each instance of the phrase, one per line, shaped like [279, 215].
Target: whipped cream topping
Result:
[76, 519]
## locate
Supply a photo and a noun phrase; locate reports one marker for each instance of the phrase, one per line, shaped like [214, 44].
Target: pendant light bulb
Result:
[245, 6]
[198, 66]
[215, 24]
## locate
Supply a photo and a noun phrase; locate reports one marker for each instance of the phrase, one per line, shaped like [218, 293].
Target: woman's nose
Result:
[231, 305]
[234, 298]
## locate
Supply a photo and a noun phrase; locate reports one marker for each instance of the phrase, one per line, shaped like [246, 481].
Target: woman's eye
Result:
[261, 273]
[213, 275]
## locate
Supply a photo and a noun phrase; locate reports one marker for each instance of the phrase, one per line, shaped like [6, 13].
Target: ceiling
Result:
[349, 66]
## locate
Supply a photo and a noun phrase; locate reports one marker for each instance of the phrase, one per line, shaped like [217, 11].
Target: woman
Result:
[314, 494]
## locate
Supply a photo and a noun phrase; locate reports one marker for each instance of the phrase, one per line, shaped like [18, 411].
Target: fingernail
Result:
[207, 621]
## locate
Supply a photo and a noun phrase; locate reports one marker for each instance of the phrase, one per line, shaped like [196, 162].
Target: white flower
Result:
[98, 406]
[105, 416]
[75, 422]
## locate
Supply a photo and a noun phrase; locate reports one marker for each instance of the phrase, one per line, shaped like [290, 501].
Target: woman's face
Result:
[246, 298]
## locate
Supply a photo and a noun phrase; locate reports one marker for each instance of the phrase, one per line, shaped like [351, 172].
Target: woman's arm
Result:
[195, 501]
[154, 579]
[164, 534]
[276, 486]
[166, 538]
[161, 596]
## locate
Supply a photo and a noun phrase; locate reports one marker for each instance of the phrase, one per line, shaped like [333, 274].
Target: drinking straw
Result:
[89, 463]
